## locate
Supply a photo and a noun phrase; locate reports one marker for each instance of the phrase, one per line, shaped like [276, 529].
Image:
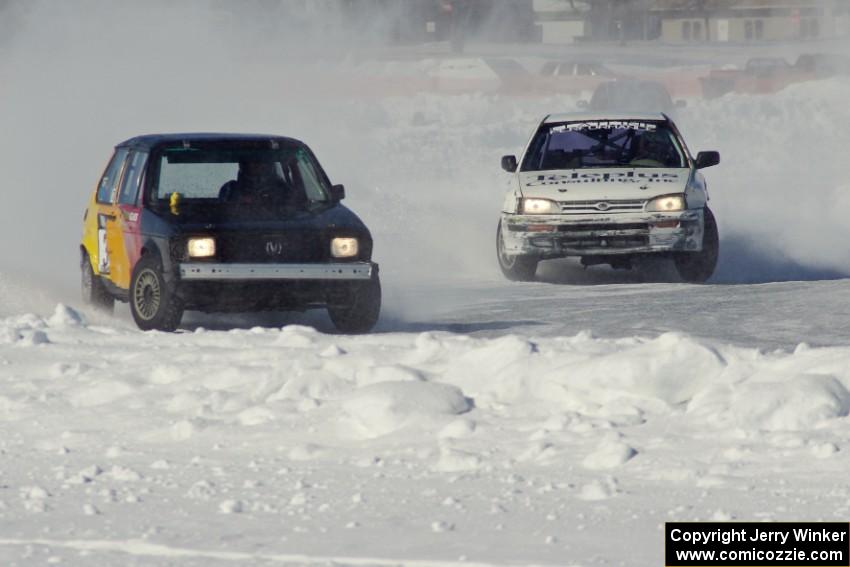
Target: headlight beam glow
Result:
[344, 247]
[203, 247]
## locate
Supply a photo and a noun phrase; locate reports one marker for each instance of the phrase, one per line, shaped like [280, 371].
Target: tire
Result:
[153, 303]
[363, 311]
[697, 267]
[517, 268]
[93, 290]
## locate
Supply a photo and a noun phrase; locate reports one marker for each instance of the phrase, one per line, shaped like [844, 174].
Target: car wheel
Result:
[94, 292]
[154, 304]
[518, 268]
[696, 267]
[363, 309]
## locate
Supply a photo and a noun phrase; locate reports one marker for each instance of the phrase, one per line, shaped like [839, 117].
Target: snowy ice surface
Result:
[486, 422]
[287, 445]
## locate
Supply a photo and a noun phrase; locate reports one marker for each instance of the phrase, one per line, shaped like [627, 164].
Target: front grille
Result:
[605, 242]
[274, 247]
[585, 236]
[601, 206]
[597, 227]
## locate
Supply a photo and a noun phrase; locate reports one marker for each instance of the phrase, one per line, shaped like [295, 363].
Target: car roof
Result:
[148, 141]
[585, 116]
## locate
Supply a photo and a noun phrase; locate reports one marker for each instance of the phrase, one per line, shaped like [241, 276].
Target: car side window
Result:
[314, 184]
[129, 194]
[109, 181]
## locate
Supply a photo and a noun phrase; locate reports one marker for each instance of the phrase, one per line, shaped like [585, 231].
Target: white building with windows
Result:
[752, 20]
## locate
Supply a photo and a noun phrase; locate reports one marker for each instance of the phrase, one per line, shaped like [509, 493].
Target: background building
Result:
[751, 20]
[566, 21]
[547, 21]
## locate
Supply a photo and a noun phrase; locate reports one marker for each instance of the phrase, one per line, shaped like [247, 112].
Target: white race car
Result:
[608, 189]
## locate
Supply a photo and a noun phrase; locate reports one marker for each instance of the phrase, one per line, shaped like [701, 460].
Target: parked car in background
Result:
[224, 222]
[571, 76]
[823, 65]
[575, 69]
[766, 75]
[766, 66]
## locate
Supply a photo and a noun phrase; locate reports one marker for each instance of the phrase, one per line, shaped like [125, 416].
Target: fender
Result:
[159, 248]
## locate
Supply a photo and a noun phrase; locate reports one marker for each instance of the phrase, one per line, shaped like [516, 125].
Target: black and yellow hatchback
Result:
[224, 223]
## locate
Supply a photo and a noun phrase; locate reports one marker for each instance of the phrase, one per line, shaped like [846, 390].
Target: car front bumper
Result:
[557, 236]
[225, 287]
[202, 271]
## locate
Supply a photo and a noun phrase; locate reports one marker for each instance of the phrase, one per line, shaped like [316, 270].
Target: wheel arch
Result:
[159, 248]
[150, 247]
[85, 256]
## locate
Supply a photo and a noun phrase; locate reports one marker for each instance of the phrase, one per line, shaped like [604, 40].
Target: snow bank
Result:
[785, 401]
[468, 432]
[380, 385]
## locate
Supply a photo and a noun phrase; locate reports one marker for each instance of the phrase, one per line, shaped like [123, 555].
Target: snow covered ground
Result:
[265, 443]
[485, 422]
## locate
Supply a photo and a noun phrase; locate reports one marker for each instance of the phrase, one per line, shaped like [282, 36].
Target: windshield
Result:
[269, 179]
[609, 143]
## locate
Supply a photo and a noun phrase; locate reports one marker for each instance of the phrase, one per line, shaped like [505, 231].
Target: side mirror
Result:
[582, 104]
[707, 159]
[509, 163]
[338, 193]
[681, 103]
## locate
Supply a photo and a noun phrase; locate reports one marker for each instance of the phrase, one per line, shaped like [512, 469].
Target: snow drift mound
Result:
[379, 385]
[784, 402]
[382, 408]
[470, 435]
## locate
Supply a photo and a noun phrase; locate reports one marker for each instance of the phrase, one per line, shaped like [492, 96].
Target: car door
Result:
[106, 212]
[128, 218]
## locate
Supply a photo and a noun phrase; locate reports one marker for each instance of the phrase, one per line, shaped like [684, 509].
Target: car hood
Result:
[207, 219]
[603, 184]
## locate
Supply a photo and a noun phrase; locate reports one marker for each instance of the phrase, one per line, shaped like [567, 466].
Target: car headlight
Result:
[540, 207]
[344, 247]
[666, 204]
[203, 247]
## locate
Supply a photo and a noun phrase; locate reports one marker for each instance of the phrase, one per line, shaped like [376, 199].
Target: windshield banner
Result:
[604, 125]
